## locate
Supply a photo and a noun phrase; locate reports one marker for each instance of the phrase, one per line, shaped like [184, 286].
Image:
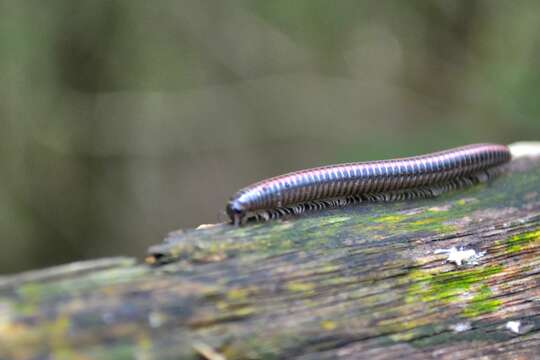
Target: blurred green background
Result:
[125, 119]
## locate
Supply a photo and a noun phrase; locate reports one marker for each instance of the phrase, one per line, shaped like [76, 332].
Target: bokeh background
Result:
[125, 119]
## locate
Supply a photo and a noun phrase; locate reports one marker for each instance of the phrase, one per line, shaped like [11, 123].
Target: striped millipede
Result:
[387, 180]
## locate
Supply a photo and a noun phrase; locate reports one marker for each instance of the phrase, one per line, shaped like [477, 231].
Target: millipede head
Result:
[236, 212]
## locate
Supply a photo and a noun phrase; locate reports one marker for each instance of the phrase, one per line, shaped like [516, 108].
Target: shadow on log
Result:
[456, 277]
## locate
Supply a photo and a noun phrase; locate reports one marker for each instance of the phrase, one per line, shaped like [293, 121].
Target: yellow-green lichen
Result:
[236, 310]
[239, 294]
[481, 303]
[34, 292]
[328, 325]
[297, 286]
[243, 311]
[455, 287]
[521, 241]
[391, 219]
[426, 220]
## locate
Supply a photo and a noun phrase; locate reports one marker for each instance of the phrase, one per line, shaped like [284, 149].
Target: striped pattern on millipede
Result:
[301, 190]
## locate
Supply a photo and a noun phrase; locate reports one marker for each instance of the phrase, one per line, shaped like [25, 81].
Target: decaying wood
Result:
[376, 281]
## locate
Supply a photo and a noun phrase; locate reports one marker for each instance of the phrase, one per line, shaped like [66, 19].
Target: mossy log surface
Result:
[361, 282]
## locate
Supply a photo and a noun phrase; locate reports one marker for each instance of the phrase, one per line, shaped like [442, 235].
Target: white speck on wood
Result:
[460, 327]
[155, 319]
[513, 326]
[461, 255]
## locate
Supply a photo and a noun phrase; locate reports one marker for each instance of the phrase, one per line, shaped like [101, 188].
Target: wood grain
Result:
[361, 282]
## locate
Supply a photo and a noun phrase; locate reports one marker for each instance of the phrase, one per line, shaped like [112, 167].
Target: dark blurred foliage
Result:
[123, 120]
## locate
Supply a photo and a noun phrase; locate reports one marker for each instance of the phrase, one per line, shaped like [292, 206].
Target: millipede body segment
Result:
[342, 184]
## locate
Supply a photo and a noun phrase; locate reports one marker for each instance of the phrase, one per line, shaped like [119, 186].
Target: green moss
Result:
[30, 292]
[481, 303]
[360, 224]
[450, 287]
[425, 221]
[391, 219]
[518, 242]
[35, 292]
[310, 233]
[26, 308]
[431, 221]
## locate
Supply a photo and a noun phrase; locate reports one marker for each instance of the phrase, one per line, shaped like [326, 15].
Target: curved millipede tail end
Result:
[235, 212]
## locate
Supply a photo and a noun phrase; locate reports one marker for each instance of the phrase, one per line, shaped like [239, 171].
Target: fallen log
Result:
[455, 277]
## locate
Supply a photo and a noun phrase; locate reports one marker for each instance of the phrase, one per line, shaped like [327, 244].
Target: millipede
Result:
[332, 186]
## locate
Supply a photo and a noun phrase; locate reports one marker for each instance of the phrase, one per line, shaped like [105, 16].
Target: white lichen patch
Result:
[525, 148]
[519, 326]
[460, 327]
[461, 255]
[155, 319]
[513, 326]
